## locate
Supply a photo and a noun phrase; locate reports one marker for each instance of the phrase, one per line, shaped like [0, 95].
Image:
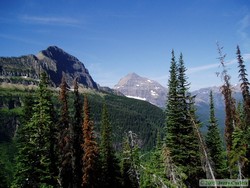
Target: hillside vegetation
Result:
[126, 114]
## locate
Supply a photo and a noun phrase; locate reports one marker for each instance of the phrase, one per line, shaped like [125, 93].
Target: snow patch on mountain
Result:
[153, 93]
[134, 97]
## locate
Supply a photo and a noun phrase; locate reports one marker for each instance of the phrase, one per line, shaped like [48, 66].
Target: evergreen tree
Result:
[183, 85]
[246, 105]
[22, 171]
[180, 137]
[90, 148]
[172, 111]
[214, 144]
[189, 142]
[77, 138]
[22, 138]
[65, 143]
[35, 159]
[237, 155]
[110, 167]
[244, 86]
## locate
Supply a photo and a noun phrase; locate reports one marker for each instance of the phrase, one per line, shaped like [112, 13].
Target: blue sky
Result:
[116, 37]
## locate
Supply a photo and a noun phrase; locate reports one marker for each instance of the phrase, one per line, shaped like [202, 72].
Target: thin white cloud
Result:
[246, 57]
[64, 21]
[244, 28]
[202, 68]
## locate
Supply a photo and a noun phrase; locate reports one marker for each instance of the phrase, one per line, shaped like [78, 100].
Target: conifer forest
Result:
[70, 138]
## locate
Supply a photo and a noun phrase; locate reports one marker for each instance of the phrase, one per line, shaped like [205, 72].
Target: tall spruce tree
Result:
[90, 177]
[36, 144]
[77, 138]
[110, 168]
[65, 142]
[22, 138]
[245, 117]
[181, 139]
[244, 87]
[172, 111]
[214, 144]
[189, 141]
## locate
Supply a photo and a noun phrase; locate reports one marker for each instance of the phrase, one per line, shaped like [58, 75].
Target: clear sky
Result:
[116, 37]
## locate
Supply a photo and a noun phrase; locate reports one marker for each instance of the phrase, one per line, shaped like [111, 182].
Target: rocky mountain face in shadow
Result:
[54, 61]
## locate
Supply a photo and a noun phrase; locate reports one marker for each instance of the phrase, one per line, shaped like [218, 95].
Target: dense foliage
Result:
[215, 145]
[179, 127]
[110, 167]
[35, 162]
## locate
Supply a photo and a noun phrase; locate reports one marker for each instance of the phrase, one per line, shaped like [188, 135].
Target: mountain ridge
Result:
[134, 86]
[53, 60]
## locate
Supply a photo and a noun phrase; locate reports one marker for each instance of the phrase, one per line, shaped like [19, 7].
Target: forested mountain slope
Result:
[125, 114]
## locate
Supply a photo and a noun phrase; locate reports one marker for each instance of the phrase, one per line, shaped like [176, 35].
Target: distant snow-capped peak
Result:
[135, 86]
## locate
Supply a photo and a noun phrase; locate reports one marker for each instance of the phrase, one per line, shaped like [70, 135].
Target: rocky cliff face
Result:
[26, 69]
[135, 86]
[23, 70]
[202, 96]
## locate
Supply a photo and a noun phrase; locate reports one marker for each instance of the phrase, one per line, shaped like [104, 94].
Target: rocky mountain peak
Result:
[130, 79]
[53, 50]
[63, 63]
[133, 75]
[55, 61]
[57, 54]
[135, 86]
